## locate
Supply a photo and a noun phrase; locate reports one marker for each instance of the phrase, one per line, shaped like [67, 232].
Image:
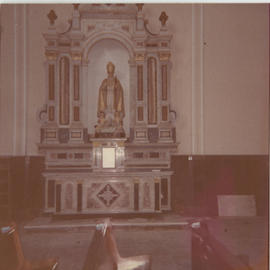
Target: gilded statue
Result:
[111, 110]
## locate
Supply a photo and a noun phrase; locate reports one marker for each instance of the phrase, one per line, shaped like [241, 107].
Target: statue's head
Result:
[110, 68]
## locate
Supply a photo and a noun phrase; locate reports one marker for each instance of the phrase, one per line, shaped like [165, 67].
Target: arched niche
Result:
[102, 52]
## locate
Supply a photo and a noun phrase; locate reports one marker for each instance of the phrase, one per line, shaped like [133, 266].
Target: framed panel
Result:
[152, 90]
[76, 79]
[108, 157]
[140, 134]
[164, 113]
[79, 197]
[164, 192]
[51, 194]
[140, 113]
[164, 82]
[51, 82]
[136, 196]
[140, 82]
[58, 197]
[64, 91]
[76, 113]
[51, 113]
[157, 196]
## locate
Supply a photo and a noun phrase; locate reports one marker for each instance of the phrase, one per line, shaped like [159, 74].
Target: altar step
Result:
[48, 224]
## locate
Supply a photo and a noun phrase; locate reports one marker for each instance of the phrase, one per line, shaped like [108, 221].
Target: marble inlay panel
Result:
[64, 91]
[140, 82]
[51, 82]
[91, 202]
[76, 134]
[124, 200]
[76, 75]
[152, 90]
[140, 134]
[165, 134]
[164, 82]
[146, 195]
[68, 196]
[164, 113]
[50, 134]
[51, 113]
[76, 113]
[140, 113]
[108, 195]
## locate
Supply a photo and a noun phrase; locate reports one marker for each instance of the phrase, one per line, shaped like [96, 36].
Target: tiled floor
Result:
[244, 237]
[170, 247]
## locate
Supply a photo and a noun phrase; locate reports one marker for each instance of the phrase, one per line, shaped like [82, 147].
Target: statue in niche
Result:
[111, 110]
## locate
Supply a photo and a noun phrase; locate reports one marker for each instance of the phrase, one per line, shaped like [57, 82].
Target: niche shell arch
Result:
[96, 37]
[104, 51]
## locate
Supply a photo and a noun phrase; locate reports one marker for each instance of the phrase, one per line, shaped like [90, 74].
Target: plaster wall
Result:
[219, 80]
[236, 79]
[7, 82]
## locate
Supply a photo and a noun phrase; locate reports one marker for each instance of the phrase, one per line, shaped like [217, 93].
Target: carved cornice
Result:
[136, 181]
[121, 144]
[97, 144]
[76, 56]
[51, 55]
[164, 56]
[139, 57]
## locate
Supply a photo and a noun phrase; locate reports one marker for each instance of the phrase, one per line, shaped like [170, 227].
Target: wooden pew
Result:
[11, 253]
[103, 253]
[209, 254]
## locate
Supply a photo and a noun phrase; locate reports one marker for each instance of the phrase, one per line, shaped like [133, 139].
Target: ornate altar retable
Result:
[107, 131]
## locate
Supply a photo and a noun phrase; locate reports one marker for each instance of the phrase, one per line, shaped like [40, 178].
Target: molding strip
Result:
[25, 126]
[193, 124]
[201, 82]
[197, 91]
[15, 82]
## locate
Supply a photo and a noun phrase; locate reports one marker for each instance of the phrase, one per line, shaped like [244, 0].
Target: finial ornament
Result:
[139, 6]
[52, 16]
[76, 6]
[163, 18]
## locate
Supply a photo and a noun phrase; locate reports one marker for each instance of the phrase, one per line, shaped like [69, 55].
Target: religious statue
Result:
[111, 109]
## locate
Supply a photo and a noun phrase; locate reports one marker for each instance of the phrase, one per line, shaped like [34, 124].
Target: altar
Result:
[107, 130]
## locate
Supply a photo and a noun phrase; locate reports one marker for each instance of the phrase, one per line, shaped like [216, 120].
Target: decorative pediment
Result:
[93, 26]
[108, 11]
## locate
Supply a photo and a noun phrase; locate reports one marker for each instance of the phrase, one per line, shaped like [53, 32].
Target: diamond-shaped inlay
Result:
[108, 195]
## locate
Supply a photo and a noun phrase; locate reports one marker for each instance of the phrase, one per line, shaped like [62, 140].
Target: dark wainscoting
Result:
[197, 182]
[26, 186]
